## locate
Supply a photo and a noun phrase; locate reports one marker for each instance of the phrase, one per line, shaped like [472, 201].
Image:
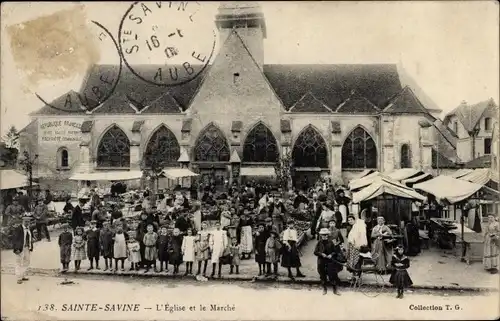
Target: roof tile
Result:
[357, 104]
[309, 104]
[165, 104]
[479, 162]
[441, 161]
[405, 102]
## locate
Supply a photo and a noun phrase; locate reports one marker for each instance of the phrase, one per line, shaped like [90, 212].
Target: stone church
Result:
[239, 116]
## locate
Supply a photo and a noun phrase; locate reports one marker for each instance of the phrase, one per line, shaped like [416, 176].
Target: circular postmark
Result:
[174, 39]
[100, 81]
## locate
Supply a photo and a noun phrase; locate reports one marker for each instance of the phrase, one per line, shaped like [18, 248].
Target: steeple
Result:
[248, 20]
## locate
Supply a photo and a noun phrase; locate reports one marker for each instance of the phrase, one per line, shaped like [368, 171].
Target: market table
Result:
[473, 244]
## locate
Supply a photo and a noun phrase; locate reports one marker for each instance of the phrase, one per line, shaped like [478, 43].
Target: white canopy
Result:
[364, 181]
[174, 173]
[364, 173]
[481, 176]
[448, 188]
[404, 173]
[383, 185]
[9, 178]
[107, 176]
[461, 172]
[417, 179]
[257, 171]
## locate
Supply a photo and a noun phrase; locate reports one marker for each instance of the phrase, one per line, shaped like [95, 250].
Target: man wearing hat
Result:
[77, 215]
[13, 212]
[41, 213]
[330, 260]
[22, 241]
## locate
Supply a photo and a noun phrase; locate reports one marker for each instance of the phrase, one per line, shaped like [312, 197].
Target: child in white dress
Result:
[188, 251]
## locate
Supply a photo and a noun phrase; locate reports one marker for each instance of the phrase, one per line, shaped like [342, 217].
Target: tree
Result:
[153, 169]
[27, 163]
[12, 137]
[283, 169]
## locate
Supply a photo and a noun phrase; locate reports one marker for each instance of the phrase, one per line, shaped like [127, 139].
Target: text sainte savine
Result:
[135, 307]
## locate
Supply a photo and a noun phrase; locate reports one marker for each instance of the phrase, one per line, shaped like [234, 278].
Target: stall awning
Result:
[383, 185]
[461, 172]
[417, 179]
[448, 188]
[364, 173]
[257, 171]
[404, 173]
[364, 181]
[107, 176]
[481, 176]
[175, 173]
[10, 178]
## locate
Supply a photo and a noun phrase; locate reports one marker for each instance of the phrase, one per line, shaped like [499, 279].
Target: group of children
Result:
[163, 247]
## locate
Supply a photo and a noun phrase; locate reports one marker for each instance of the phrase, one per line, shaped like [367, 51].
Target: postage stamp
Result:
[169, 35]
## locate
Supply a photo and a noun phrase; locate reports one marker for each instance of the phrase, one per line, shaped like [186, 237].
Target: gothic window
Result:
[62, 158]
[163, 146]
[310, 149]
[211, 146]
[114, 149]
[405, 156]
[359, 150]
[260, 146]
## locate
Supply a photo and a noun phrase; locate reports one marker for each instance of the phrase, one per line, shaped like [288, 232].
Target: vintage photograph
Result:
[233, 160]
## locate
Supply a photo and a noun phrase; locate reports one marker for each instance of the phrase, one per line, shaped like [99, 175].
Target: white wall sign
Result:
[59, 131]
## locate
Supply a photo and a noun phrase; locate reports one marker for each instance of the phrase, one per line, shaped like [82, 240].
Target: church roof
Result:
[332, 84]
[357, 104]
[310, 88]
[405, 102]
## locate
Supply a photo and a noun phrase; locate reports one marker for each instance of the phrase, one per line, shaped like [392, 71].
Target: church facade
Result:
[239, 116]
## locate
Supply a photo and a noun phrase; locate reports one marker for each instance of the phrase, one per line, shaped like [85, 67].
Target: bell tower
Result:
[248, 20]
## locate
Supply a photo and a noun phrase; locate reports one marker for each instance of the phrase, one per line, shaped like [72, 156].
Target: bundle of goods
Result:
[301, 215]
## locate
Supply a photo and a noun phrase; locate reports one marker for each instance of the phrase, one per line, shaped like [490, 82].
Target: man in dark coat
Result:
[22, 243]
[300, 199]
[77, 215]
[24, 201]
[41, 214]
[13, 212]
[330, 260]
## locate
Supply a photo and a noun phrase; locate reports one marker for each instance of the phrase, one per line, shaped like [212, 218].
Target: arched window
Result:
[405, 156]
[260, 145]
[211, 146]
[359, 150]
[114, 149]
[162, 146]
[310, 149]
[62, 158]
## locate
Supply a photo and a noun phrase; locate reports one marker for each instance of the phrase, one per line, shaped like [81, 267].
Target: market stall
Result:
[461, 172]
[11, 179]
[417, 179]
[404, 173]
[359, 183]
[482, 176]
[391, 199]
[455, 192]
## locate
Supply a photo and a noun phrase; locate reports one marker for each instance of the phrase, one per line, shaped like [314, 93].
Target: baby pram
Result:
[366, 277]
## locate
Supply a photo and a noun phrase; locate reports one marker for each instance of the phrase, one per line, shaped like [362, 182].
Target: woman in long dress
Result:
[246, 240]
[355, 240]
[490, 254]
[380, 251]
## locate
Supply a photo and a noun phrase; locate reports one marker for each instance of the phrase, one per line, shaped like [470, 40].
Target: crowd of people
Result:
[226, 228]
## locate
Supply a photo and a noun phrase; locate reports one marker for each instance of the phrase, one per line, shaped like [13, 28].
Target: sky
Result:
[450, 49]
